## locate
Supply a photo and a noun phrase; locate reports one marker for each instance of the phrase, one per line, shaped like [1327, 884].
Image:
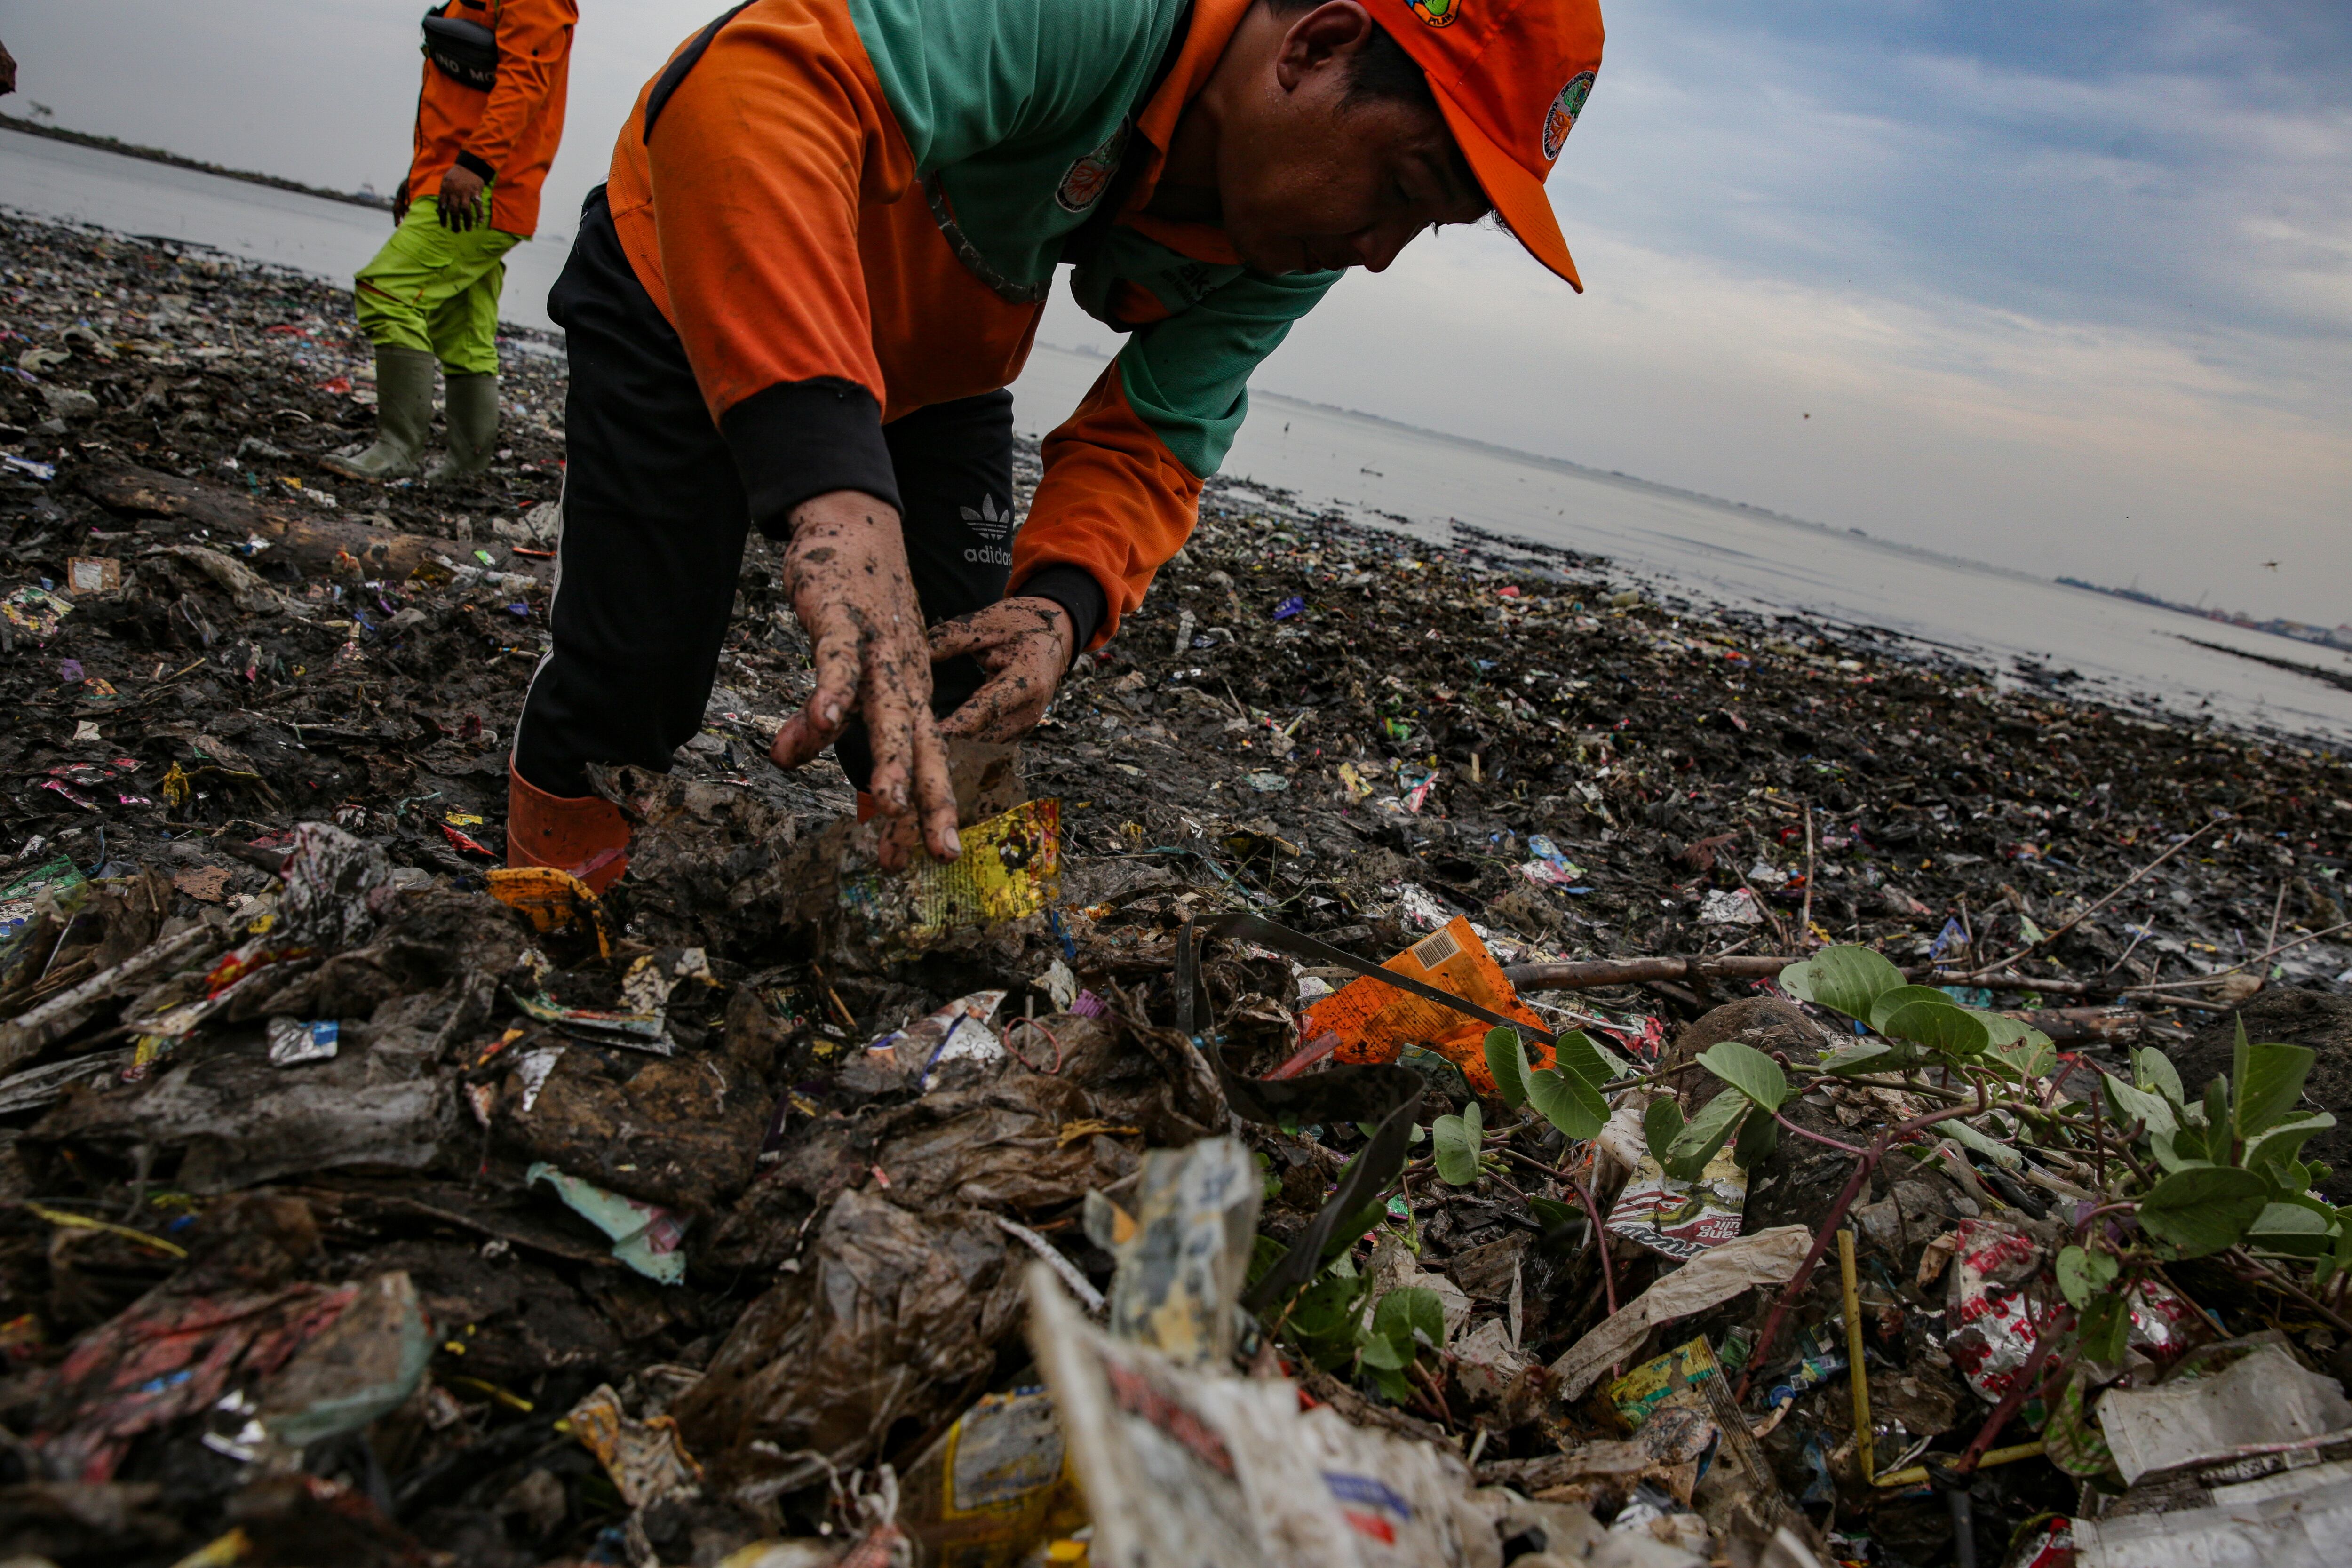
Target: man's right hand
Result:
[845, 569]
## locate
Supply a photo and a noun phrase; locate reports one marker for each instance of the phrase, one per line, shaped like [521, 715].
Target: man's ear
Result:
[1321, 40]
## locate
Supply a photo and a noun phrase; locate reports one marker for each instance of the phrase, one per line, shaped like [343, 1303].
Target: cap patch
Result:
[1561, 118]
[1438, 13]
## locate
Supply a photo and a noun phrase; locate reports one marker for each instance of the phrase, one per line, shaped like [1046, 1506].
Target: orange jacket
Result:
[821, 209]
[508, 134]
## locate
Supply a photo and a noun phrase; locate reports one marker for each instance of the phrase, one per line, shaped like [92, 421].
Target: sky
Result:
[2067, 289]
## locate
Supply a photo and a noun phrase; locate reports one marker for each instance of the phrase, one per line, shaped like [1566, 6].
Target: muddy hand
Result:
[846, 572]
[1024, 646]
[461, 199]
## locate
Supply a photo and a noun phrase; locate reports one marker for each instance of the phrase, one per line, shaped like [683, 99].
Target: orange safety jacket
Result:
[850, 209]
[508, 134]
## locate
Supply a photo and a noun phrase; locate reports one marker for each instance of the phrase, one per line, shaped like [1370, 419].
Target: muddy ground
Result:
[1356, 733]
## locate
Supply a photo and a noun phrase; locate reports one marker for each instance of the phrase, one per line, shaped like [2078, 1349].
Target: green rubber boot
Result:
[472, 415]
[403, 413]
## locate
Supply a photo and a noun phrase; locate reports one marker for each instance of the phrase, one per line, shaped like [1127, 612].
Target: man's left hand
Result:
[1024, 646]
[461, 199]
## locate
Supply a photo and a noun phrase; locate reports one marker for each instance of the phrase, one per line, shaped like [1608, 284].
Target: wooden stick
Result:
[1805, 920]
[1590, 974]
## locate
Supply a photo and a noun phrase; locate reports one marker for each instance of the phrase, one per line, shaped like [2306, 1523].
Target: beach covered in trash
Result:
[1434, 1055]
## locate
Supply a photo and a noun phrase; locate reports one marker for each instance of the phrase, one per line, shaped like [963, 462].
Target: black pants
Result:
[654, 523]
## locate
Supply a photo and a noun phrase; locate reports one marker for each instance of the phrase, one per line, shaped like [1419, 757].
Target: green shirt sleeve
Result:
[1187, 377]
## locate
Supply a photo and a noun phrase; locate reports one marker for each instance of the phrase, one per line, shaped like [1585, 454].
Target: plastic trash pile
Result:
[1437, 1056]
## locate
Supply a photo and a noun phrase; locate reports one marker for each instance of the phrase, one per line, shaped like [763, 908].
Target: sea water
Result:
[1380, 472]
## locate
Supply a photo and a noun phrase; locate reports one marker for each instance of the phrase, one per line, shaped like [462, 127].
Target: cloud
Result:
[2185, 174]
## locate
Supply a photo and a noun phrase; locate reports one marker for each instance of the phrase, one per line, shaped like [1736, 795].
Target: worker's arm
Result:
[533, 37]
[758, 162]
[1122, 482]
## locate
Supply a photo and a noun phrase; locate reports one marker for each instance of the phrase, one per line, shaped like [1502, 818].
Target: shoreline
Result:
[180, 161]
[1331, 667]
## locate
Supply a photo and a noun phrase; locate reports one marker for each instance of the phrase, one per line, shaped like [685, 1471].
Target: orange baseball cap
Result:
[1510, 76]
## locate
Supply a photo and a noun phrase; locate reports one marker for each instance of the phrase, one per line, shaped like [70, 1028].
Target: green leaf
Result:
[1569, 1103]
[1749, 1071]
[2269, 1084]
[1575, 1053]
[2130, 1104]
[2176, 1151]
[1455, 1140]
[1346, 1235]
[1990, 1148]
[1407, 1316]
[1662, 1123]
[2275, 1150]
[1955, 1031]
[1759, 1134]
[2153, 1070]
[2030, 1057]
[1504, 1052]
[2217, 1111]
[1797, 979]
[1552, 1214]
[2203, 1208]
[1846, 978]
[1324, 1318]
[1613, 1064]
[1901, 997]
[2003, 1032]
[2083, 1274]
[2343, 1255]
[2290, 1229]
[1874, 1056]
[1704, 1133]
[2106, 1328]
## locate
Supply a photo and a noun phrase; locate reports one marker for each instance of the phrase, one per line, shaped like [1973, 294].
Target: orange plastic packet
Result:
[1375, 1022]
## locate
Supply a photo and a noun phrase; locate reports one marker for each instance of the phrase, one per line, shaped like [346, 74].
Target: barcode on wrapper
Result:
[1432, 951]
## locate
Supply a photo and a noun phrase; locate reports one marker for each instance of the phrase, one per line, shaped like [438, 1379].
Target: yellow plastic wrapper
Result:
[646, 1459]
[994, 1488]
[1685, 1388]
[1010, 865]
[552, 900]
[1375, 1023]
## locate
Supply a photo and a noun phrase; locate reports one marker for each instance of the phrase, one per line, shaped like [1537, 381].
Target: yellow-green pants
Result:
[436, 290]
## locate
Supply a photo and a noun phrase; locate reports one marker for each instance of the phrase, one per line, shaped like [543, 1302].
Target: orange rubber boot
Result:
[586, 834]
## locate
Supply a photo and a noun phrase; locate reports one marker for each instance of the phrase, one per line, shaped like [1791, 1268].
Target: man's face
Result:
[1309, 181]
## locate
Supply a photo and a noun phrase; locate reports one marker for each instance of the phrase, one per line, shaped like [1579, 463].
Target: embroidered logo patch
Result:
[1561, 118]
[1436, 12]
[1089, 177]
